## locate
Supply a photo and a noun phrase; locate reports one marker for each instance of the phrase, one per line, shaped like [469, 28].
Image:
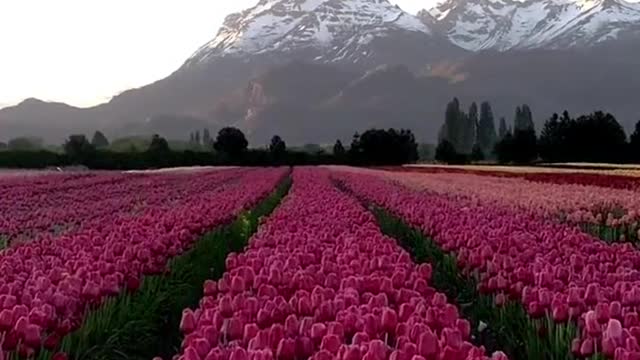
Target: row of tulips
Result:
[611, 214]
[602, 178]
[47, 287]
[144, 323]
[559, 275]
[95, 199]
[320, 281]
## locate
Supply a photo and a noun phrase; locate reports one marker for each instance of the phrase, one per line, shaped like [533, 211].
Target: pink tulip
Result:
[591, 324]
[60, 356]
[608, 347]
[586, 349]
[602, 313]
[360, 338]
[428, 344]
[202, 347]
[210, 288]
[238, 354]
[499, 355]
[613, 330]
[322, 355]
[318, 331]
[6, 319]
[304, 347]
[330, 343]
[188, 322]
[286, 349]
[389, 320]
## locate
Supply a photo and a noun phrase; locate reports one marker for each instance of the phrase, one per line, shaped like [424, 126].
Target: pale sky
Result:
[82, 52]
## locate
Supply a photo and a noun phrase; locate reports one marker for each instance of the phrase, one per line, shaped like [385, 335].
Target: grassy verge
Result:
[507, 327]
[145, 323]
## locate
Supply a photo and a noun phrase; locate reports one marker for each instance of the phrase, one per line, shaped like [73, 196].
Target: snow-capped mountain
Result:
[327, 31]
[525, 24]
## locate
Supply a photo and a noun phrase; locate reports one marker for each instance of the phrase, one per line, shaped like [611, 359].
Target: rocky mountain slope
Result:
[365, 32]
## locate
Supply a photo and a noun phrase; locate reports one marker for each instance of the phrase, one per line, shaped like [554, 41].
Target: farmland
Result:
[320, 263]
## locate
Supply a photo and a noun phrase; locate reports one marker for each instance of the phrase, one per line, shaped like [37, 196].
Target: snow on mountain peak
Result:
[521, 24]
[285, 25]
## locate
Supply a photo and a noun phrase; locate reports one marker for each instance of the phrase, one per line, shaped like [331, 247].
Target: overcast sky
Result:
[82, 52]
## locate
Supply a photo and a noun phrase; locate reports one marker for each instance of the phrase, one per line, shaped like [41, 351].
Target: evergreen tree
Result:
[338, 150]
[596, 137]
[634, 143]
[524, 118]
[454, 123]
[504, 149]
[486, 129]
[548, 145]
[469, 129]
[206, 138]
[476, 153]
[354, 150]
[78, 149]
[502, 131]
[524, 148]
[446, 152]
[527, 118]
[99, 141]
[517, 121]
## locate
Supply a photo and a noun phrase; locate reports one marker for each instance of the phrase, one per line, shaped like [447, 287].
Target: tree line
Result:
[465, 136]
[230, 147]
[471, 137]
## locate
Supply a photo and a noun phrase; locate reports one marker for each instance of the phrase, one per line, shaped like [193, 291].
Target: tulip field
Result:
[320, 263]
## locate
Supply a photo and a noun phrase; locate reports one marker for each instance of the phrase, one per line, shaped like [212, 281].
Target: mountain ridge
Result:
[528, 24]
